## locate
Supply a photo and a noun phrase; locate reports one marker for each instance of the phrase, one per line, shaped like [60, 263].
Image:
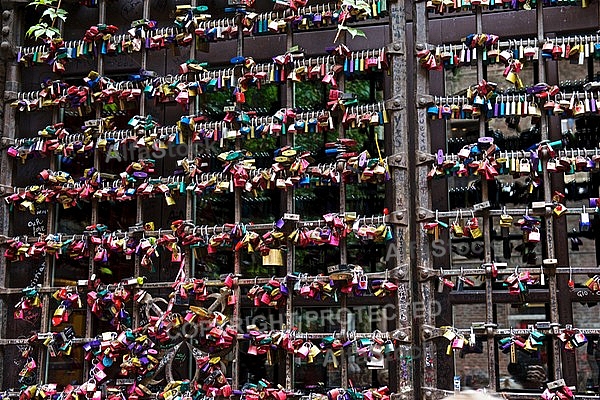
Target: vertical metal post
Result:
[343, 243]
[403, 188]
[139, 211]
[486, 228]
[95, 205]
[12, 85]
[238, 217]
[548, 221]
[290, 206]
[190, 196]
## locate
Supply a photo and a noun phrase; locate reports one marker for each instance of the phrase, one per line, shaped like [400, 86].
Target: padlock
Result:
[376, 350]
[584, 222]
[506, 221]
[240, 97]
[100, 375]
[457, 229]
[524, 166]
[229, 281]
[534, 236]
[376, 363]
[592, 283]
[458, 343]
[388, 347]
[464, 152]
[474, 229]
[363, 282]
[231, 300]
[449, 334]
[579, 339]
[559, 210]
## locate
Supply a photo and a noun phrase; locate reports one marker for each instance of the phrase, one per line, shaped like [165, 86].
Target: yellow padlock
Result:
[169, 199]
[559, 210]
[476, 233]
[506, 221]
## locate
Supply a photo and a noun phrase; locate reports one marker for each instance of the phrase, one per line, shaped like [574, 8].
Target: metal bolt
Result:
[422, 215]
[426, 332]
[5, 46]
[6, 14]
[5, 30]
[396, 46]
[396, 103]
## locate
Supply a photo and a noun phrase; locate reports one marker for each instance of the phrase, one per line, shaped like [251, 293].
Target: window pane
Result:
[472, 366]
[471, 363]
[528, 371]
[582, 243]
[495, 74]
[315, 259]
[588, 356]
[21, 356]
[309, 95]
[23, 319]
[307, 375]
[571, 73]
[460, 78]
[211, 264]
[67, 369]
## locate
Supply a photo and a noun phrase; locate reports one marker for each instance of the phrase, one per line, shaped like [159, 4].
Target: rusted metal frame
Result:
[237, 309]
[486, 228]
[433, 332]
[140, 230]
[428, 273]
[190, 197]
[549, 222]
[51, 227]
[210, 283]
[428, 157]
[95, 203]
[565, 309]
[139, 219]
[534, 295]
[426, 215]
[290, 207]
[12, 20]
[500, 297]
[310, 335]
[342, 245]
[407, 145]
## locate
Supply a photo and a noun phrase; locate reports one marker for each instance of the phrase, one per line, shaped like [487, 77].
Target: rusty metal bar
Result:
[431, 215]
[13, 23]
[423, 369]
[290, 207]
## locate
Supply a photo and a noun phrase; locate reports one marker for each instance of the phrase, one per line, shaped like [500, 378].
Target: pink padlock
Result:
[304, 350]
[265, 298]
[229, 281]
